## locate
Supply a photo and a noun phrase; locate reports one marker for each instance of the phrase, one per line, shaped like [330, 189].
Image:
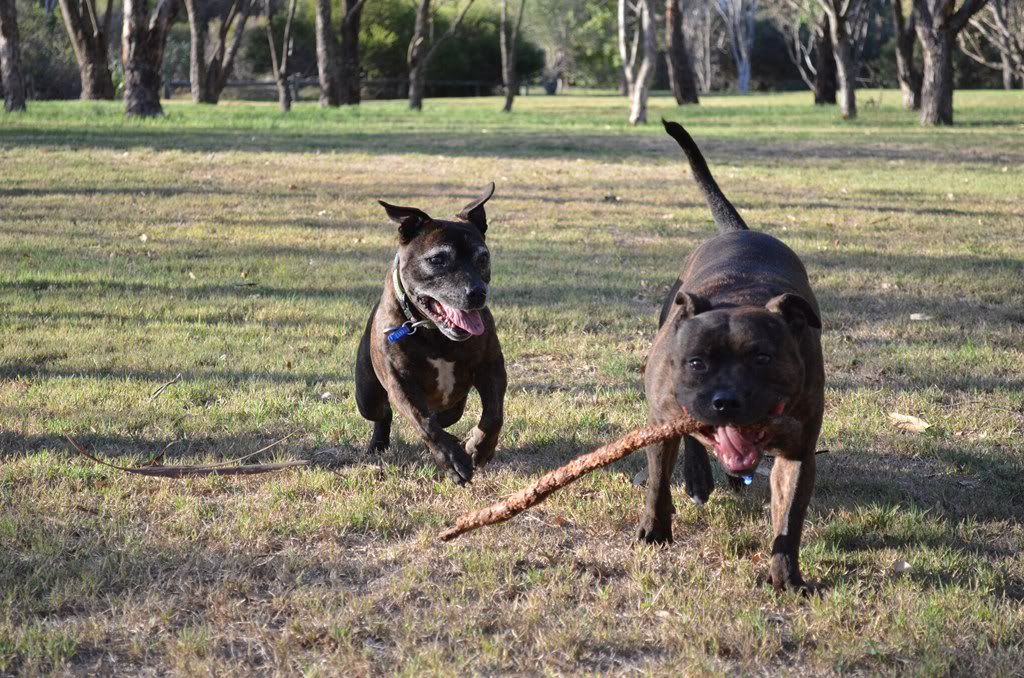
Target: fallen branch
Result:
[221, 469]
[580, 466]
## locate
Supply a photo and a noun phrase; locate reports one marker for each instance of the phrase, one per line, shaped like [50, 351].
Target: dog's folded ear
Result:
[691, 304]
[474, 212]
[796, 310]
[409, 219]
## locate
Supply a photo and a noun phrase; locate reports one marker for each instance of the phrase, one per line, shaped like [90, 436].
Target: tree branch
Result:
[448, 33]
[287, 38]
[352, 12]
[960, 18]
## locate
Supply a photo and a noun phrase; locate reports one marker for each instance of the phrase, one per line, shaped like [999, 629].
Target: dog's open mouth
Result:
[738, 449]
[451, 318]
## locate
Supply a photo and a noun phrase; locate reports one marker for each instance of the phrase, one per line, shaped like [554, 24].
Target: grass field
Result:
[243, 250]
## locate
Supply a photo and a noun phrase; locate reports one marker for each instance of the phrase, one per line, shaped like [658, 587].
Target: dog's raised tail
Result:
[724, 214]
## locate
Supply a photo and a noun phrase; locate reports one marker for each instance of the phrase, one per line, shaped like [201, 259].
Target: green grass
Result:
[243, 249]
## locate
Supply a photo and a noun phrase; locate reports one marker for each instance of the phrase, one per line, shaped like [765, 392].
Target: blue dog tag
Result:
[399, 333]
[748, 480]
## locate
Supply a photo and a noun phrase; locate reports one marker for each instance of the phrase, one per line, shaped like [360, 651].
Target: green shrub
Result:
[47, 57]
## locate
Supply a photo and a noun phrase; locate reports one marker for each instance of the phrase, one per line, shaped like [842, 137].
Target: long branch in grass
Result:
[583, 464]
[198, 470]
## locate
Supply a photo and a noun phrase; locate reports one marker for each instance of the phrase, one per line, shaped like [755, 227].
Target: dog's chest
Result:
[444, 380]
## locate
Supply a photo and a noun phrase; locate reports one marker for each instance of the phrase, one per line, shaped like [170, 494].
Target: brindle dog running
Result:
[739, 341]
[431, 338]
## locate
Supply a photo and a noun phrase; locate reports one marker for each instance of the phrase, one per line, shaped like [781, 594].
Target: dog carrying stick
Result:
[580, 466]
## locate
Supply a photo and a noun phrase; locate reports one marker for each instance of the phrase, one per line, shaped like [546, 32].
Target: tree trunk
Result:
[416, 86]
[627, 50]
[907, 73]
[938, 24]
[743, 82]
[199, 28]
[680, 68]
[937, 82]
[420, 52]
[738, 16]
[327, 56]
[223, 61]
[10, 58]
[91, 45]
[143, 40]
[1007, 70]
[507, 63]
[279, 64]
[845, 69]
[417, 51]
[509, 44]
[350, 68]
[284, 95]
[824, 65]
[209, 75]
[642, 84]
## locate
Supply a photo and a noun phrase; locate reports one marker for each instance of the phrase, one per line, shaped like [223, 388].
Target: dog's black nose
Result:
[725, 402]
[476, 296]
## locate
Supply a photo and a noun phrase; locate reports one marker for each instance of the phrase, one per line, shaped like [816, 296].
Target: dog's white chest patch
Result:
[445, 377]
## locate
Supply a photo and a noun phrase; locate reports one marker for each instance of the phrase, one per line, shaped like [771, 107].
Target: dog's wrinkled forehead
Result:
[456, 238]
[733, 330]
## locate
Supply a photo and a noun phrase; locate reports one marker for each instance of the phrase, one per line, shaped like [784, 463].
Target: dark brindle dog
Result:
[431, 337]
[739, 341]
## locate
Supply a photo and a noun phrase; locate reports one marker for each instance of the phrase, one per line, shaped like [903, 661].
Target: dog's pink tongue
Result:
[736, 452]
[467, 320]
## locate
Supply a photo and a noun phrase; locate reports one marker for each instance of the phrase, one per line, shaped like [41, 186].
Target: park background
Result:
[190, 287]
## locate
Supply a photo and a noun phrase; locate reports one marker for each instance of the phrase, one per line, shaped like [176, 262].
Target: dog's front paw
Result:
[784, 575]
[654, 530]
[452, 459]
[479, 447]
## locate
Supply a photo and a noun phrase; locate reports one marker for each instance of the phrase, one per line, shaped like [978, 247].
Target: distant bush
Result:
[47, 57]
[386, 29]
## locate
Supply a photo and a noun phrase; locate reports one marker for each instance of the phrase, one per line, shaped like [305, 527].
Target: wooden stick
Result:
[192, 471]
[580, 466]
[163, 387]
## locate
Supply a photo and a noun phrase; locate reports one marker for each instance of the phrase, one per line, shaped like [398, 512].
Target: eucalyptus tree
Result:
[509, 43]
[89, 30]
[938, 24]
[422, 48]
[209, 69]
[337, 60]
[10, 58]
[143, 39]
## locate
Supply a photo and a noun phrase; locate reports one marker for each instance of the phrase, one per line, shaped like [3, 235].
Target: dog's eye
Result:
[762, 358]
[439, 259]
[697, 364]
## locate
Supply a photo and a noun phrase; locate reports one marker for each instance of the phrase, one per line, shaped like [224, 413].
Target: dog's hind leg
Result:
[697, 471]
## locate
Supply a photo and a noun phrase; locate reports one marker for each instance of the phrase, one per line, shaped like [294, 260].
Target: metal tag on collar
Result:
[402, 331]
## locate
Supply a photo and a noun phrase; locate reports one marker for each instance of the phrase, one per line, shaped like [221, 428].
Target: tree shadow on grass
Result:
[69, 567]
